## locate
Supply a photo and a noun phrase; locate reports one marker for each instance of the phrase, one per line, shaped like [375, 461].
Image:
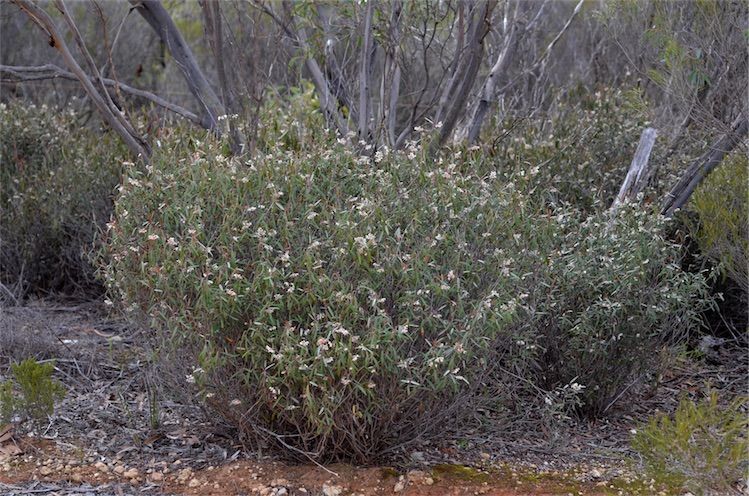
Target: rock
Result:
[331, 490]
[595, 473]
[428, 481]
[119, 469]
[485, 456]
[193, 483]
[279, 482]
[157, 477]
[399, 486]
[131, 473]
[184, 475]
[416, 476]
[281, 491]
[101, 467]
[45, 471]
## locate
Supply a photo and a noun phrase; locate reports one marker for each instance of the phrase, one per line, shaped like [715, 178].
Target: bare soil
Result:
[116, 433]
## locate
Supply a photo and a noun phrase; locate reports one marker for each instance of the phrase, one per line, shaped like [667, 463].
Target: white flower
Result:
[339, 329]
[235, 402]
[153, 237]
[577, 387]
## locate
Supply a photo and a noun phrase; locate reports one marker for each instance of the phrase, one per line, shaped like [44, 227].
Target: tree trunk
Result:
[159, 19]
[364, 73]
[469, 69]
[700, 168]
[487, 94]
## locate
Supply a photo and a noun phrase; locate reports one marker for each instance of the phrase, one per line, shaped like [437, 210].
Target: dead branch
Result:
[639, 171]
[51, 71]
[703, 166]
[134, 142]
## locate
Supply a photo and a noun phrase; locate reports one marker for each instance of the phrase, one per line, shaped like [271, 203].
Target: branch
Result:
[543, 59]
[327, 100]
[51, 71]
[133, 141]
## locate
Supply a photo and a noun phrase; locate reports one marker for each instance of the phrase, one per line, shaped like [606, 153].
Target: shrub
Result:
[610, 297]
[703, 446]
[35, 393]
[341, 305]
[722, 225]
[56, 186]
[581, 152]
[294, 120]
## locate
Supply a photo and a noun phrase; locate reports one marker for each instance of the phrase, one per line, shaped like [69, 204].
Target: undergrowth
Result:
[57, 181]
[703, 446]
[31, 392]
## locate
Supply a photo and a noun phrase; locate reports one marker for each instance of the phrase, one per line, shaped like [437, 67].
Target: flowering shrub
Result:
[342, 305]
[609, 297]
[581, 152]
[56, 185]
